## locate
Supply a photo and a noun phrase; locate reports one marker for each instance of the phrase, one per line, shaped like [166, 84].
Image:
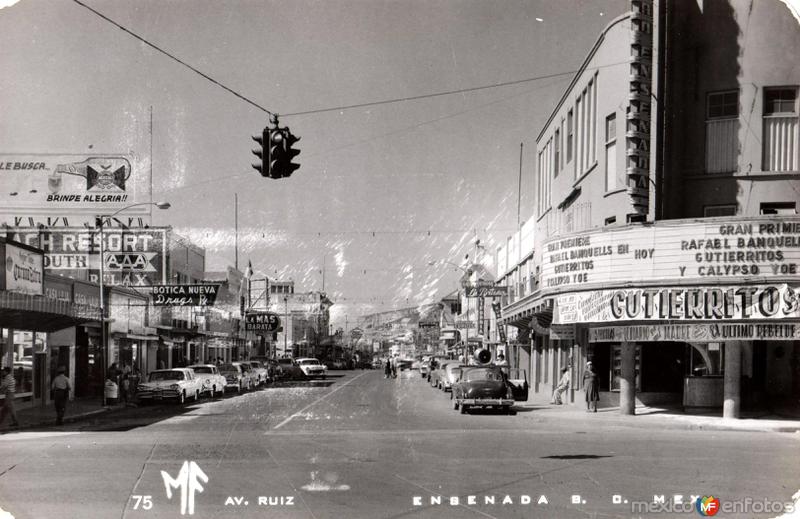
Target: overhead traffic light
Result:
[291, 153]
[277, 154]
[262, 153]
[276, 151]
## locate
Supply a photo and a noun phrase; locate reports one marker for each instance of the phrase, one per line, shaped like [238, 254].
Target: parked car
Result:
[482, 387]
[403, 364]
[438, 373]
[212, 380]
[236, 377]
[259, 371]
[449, 374]
[312, 368]
[174, 384]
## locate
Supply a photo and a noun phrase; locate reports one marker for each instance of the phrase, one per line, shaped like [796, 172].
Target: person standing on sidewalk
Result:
[8, 387]
[61, 388]
[562, 386]
[590, 386]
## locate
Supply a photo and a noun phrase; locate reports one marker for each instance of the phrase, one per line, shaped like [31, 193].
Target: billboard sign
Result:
[706, 252]
[133, 257]
[69, 189]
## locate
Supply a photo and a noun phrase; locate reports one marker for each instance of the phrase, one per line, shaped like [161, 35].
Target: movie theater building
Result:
[667, 246]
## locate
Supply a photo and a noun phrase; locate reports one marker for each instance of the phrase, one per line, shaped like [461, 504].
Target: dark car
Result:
[485, 387]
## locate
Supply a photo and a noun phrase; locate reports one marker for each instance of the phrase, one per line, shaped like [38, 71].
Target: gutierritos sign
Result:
[768, 248]
[679, 304]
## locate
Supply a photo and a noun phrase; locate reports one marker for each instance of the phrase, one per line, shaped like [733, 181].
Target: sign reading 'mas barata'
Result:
[262, 322]
[185, 295]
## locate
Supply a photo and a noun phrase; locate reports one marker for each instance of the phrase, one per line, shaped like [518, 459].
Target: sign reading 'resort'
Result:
[679, 304]
[707, 251]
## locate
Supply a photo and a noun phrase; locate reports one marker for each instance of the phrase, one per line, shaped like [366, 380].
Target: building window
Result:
[722, 131]
[611, 152]
[711, 211]
[570, 133]
[586, 108]
[556, 153]
[781, 129]
[785, 208]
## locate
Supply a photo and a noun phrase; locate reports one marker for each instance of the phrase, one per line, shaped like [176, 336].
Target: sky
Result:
[383, 190]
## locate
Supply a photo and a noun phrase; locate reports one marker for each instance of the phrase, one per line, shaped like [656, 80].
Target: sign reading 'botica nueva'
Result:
[185, 295]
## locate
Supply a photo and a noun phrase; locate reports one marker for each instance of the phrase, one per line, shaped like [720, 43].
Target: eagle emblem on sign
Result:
[105, 178]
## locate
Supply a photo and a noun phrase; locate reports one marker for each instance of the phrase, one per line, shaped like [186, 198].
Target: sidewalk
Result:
[646, 416]
[77, 410]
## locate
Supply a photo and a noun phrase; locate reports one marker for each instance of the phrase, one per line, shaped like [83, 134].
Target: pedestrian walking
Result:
[563, 385]
[8, 388]
[61, 388]
[394, 367]
[124, 388]
[590, 386]
[387, 368]
[111, 391]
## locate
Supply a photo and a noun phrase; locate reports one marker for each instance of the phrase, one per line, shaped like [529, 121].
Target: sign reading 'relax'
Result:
[710, 251]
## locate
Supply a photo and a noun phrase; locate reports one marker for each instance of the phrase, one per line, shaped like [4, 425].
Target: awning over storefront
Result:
[137, 337]
[172, 340]
[536, 314]
[42, 314]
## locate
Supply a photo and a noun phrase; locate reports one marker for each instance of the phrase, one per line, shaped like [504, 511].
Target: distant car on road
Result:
[213, 382]
[312, 368]
[176, 384]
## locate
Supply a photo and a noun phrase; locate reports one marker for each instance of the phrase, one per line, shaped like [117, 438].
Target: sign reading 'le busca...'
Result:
[709, 251]
[184, 295]
[262, 322]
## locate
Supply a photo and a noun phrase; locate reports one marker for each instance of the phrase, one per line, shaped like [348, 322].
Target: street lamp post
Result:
[100, 222]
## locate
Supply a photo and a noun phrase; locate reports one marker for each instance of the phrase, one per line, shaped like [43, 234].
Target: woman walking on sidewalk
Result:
[8, 387]
[590, 385]
[61, 388]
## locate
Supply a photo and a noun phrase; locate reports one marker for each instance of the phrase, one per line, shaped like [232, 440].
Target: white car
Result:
[259, 371]
[211, 379]
[312, 367]
[171, 384]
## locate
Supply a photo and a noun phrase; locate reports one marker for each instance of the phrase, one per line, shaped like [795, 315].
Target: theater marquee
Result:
[709, 251]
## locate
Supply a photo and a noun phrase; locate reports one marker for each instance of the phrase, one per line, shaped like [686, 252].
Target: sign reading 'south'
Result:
[714, 250]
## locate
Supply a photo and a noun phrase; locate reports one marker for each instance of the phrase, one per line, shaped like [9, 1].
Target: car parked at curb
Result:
[236, 378]
[213, 382]
[259, 372]
[177, 384]
[438, 375]
[312, 367]
[482, 387]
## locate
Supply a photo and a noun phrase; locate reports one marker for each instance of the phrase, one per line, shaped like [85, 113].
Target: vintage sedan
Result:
[212, 380]
[260, 371]
[485, 387]
[236, 377]
[312, 367]
[449, 374]
[173, 384]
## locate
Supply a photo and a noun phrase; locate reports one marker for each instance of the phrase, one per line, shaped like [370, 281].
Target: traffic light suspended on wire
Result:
[262, 153]
[276, 151]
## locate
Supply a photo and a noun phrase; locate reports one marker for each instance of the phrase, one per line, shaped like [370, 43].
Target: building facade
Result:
[666, 246]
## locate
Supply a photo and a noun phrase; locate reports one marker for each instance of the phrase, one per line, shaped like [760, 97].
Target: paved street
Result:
[358, 445]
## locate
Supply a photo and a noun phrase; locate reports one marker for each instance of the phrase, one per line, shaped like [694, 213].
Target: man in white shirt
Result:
[61, 388]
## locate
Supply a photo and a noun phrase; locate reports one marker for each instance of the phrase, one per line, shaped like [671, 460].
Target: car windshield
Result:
[228, 368]
[483, 374]
[165, 375]
[255, 364]
[306, 362]
[203, 369]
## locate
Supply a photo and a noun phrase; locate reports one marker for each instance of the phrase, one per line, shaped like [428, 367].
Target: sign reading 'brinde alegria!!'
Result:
[679, 304]
[767, 248]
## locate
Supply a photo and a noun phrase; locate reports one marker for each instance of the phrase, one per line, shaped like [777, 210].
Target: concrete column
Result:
[733, 376]
[535, 363]
[627, 381]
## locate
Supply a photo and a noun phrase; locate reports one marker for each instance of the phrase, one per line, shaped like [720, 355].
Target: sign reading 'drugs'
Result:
[133, 257]
[184, 295]
[767, 248]
[739, 303]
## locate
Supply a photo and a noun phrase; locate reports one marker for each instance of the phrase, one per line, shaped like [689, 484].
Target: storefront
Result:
[703, 314]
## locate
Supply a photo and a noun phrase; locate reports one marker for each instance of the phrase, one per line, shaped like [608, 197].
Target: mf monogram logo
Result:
[188, 482]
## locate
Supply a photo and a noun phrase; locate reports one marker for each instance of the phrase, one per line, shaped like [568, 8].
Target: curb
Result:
[73, 418]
